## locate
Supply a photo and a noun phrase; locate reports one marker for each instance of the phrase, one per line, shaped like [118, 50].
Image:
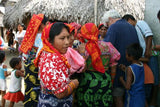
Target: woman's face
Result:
[20, 28]
[103, 31]
[61, 41]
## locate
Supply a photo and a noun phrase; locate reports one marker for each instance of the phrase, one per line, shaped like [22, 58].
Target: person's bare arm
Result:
[156, 48]
[148, 46]
[71, 86]
[144, 59]
[113, 72]
[19, 73]
[127, 84]
[5, 72]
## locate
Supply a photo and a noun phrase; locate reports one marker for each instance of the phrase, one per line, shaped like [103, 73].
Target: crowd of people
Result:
[68, 64]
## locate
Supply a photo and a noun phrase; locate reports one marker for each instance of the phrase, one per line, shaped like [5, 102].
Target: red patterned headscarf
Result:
[90, 32]
[71, 28]
[47, 46]
[31, 32]
[76, 25]
[100, 25]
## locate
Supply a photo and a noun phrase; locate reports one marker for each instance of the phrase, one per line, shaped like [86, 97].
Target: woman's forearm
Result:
[71, 86]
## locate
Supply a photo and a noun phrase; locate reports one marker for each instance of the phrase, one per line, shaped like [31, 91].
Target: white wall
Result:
[151, 9]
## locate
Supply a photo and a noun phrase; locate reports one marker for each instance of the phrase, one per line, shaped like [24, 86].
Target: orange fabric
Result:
[90, 32]
[71, 28]
[31, 32]
[14, 97]
[47, 46]
[149, 78]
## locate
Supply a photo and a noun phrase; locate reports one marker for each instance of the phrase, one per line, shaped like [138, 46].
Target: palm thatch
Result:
[70, 10]
[134, 7]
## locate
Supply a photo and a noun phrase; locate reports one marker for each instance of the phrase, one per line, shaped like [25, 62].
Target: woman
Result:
[10, 37]
[102, 31]
[56, 87]
[95, 83]
[19, 35]
[76, 61]
[29, 46]
[76, 41]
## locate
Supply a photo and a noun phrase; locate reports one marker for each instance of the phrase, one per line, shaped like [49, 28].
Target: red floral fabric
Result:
[53, 72]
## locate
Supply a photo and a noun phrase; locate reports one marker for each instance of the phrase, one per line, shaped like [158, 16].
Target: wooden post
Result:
[95, 12]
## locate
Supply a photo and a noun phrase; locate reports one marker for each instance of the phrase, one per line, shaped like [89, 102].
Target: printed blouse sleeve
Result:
[54, 74]
[115, 55]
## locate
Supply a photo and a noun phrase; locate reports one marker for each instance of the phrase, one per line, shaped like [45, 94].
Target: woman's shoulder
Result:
[104, 46]
[49, 56]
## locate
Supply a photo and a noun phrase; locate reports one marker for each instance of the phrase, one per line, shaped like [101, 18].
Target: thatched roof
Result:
[70, 10]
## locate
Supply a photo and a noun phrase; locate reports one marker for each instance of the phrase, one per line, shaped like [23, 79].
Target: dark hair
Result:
[24, 27]
[128, 16]
[102, 25]
[2, 56]
[134, 50]
[10, 30]
[56, 29]
[158, 14]
[14, 61]
[45, 19]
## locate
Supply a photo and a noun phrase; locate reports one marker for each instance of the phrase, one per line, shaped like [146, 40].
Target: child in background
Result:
[3, 75]
[134, 84]
[15, 94]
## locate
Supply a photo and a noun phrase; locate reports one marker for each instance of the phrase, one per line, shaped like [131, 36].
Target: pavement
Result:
[9, 55]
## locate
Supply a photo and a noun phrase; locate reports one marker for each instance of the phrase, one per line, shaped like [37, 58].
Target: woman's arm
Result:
[71, 86]
[113, 72]
[127, 84]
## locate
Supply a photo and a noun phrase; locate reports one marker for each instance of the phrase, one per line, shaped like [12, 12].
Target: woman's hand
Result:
[76, 83]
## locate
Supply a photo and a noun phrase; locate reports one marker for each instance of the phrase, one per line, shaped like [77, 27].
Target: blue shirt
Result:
[2, 70]
[136, 92]
[121, 34]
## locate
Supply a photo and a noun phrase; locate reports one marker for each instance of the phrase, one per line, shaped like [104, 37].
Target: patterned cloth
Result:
[32, 84]
[76, 61]
[90, 32]
[31, 32]
[57, 76]
[95, 88]
[49, 100]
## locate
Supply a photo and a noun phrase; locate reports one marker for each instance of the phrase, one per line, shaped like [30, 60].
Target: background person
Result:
[14, 94]
[102, 31]
[29, 47]
[145, 36]
[134, 80]
[95, 82]
[3, 75]
[120, 34]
